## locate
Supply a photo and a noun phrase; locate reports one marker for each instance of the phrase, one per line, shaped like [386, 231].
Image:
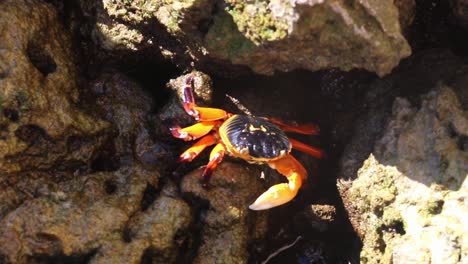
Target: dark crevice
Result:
[31, 134]
[461, 140]
[462, 143]
[396, 227]
[150, 195]
[126, 234]
[152, 255]
[11, 114]
[110, 186]
[62, 258]
[41, 59]
[107, 160]
[188, 249]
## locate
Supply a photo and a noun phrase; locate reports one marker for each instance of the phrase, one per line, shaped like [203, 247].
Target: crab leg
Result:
[199, 113]
[188, 100]
[315, 152]
[193, 132]
[306, 129]
[210, 114]
[284, 192]
[216, 156]
[195, 150]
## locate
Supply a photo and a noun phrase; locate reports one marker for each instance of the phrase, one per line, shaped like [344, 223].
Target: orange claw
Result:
[193, 132]
[192, 152]
[210, 114]
[282, 193]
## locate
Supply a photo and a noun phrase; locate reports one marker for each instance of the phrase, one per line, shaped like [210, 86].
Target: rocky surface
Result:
[265, 36]
[40, 92]
[408, 201]
[228, 225]
[98, 218]
[88, 167]
[41, 127]
[416, 75]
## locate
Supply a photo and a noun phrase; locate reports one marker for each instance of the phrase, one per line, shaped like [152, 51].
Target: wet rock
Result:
[408, 200]
[41, 126]
[318, 216]
[121, 101]
[415, 76]
[98, 215]
[228, 224]
[271, 35]
[227, 37]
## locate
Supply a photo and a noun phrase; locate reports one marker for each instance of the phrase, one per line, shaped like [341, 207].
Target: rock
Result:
[281, 37]
[96, 216]
[265, 36]
[228, 226]
[41, 127]
[319, 216]
[417, 75]
[120, 100]
[408, 200]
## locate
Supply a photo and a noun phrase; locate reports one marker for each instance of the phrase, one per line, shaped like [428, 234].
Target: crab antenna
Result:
[239, 105]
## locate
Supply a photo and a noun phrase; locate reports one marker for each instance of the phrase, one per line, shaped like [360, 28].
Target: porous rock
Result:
[97, 217]
[39, 92]
[409, 200]
[265, 36]
[229, 225]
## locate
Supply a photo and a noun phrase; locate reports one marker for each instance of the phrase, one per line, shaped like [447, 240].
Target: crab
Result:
[254, 139]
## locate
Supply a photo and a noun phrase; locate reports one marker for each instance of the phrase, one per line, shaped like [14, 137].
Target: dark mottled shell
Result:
[256, 137]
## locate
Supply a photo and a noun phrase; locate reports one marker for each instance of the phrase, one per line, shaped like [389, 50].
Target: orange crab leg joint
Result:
[195, 150]
[314, 152]
[284, 192]
[193, 132]
[216, 156]
[306, 129]
[210, 114]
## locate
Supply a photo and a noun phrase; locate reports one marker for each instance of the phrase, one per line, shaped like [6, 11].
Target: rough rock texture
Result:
[409, 200]
[96, 217]
[228, 225]
[319, 216]
[265, 36]
[40, 122]
[418, 74]
[41, 127]
[124, 103]
[72, 187]
[115, 215]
